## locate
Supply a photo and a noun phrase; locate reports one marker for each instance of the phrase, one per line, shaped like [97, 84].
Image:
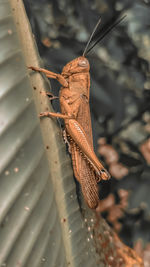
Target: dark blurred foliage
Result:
[120, 89]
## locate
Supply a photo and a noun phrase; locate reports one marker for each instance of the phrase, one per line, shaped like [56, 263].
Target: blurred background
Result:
[120, 96]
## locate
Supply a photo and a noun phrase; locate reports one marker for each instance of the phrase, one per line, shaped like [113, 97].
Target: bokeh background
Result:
[120, 96]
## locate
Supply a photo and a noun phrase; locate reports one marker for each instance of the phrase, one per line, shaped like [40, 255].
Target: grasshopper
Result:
[75, 110]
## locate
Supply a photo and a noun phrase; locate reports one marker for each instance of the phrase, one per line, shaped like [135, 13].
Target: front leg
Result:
[53, 75]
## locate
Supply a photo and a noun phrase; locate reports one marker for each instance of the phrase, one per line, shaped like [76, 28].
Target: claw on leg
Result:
[51, 96]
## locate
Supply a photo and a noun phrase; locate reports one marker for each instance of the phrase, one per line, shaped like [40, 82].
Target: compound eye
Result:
[83, 63]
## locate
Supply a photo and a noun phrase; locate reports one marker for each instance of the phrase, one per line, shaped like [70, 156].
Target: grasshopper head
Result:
[78, 65]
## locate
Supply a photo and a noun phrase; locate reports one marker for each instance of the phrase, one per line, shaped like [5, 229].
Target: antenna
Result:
[105, 33]
[91, 36]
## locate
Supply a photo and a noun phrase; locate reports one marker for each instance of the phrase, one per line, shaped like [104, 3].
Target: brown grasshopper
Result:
[75, 110]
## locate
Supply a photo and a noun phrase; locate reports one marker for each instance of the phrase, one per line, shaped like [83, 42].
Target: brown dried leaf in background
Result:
[106, 203]
[109, 153]
[123, 194]
[114, 213]
[46, 42]
[145, 150]
[118, 170]
[117, 226]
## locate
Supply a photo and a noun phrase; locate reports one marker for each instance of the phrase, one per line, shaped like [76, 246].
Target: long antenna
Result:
[105, 33]
[91, 37]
